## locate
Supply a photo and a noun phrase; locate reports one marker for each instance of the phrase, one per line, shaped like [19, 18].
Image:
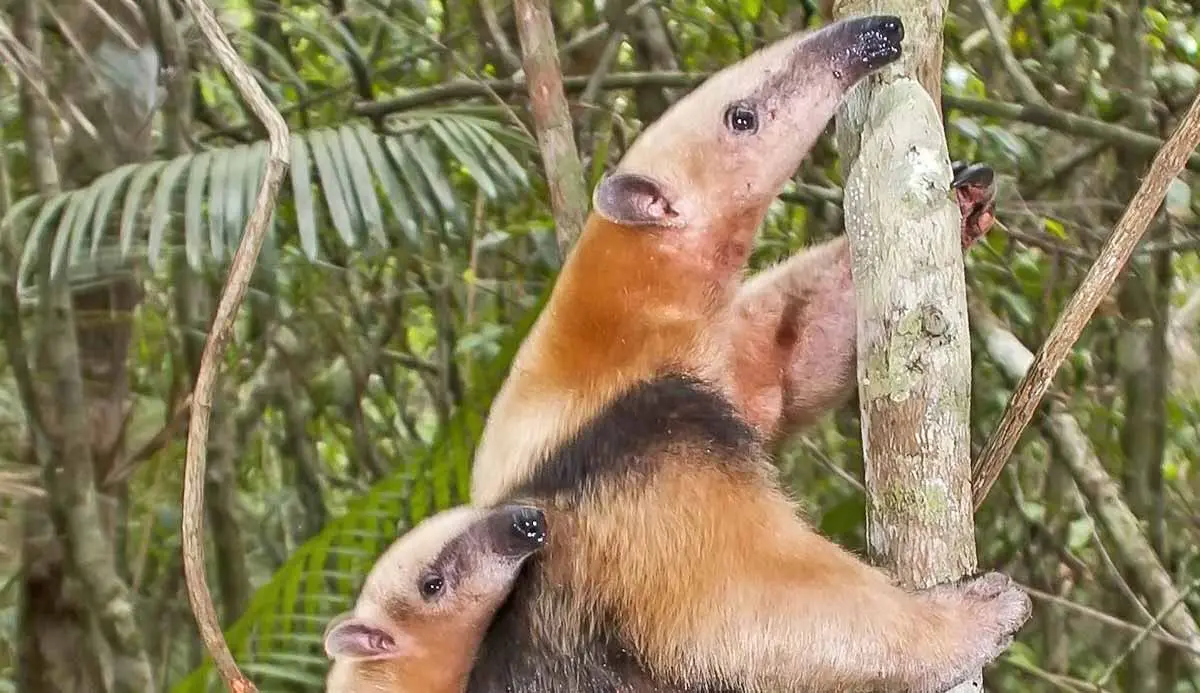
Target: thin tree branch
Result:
[1167, 164]
[1025, 86]
[122, 471]
[1102, 493]
[1143, 633]
[552, 118]
[278, 159]
[1066, 122]
[1110, 620]
[492, 21]
[1052, 118]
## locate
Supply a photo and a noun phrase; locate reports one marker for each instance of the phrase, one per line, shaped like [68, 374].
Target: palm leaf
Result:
[278, 641]
[212, 193]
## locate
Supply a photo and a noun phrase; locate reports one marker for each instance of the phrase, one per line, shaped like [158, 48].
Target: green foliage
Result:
[349, 168]
[278, 642]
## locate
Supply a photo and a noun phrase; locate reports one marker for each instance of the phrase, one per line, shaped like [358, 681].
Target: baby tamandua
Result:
[428, 600]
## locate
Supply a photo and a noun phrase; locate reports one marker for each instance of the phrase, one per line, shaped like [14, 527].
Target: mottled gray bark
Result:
[914, 359]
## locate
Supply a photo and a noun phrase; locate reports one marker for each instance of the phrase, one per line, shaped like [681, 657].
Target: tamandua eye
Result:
[741, 117]
[431, 586]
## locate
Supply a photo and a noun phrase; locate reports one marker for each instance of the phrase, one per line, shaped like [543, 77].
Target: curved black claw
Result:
[972, 174]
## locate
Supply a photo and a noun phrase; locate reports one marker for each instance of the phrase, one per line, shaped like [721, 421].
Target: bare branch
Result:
[1167, 164]
[1108, 619]
[1102, 493]
[1044, 116]
[492, 21]
[552, 117]
[995, 27]
[114, 26]
[278, 159]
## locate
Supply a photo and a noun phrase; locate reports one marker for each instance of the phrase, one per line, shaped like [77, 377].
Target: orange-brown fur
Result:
[694, 560]
[752, 595]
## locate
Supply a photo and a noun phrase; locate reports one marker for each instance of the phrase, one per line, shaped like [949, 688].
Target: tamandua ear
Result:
[352, 638]
[631, 199]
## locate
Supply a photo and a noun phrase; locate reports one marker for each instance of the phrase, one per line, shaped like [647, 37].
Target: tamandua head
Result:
[705, 172]
[648, 285]
[428, 600]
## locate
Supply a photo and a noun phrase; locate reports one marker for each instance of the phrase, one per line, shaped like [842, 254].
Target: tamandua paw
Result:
[974, 188]
[992, 607]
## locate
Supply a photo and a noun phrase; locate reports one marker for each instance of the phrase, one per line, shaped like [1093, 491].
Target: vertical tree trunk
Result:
[914, 359]
[79, 630]
[52, 619]
[1143, 359]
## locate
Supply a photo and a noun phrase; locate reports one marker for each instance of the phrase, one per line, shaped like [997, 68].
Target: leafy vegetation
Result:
[413, 245]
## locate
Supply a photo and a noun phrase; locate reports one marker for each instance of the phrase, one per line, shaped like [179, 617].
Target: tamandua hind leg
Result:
[794, 331]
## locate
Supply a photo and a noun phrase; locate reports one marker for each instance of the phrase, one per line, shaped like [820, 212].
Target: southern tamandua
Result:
[428, 600]
[677, 563]
[668, 238]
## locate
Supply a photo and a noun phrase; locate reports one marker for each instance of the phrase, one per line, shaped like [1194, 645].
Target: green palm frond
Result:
[383, 188]
[278, 641]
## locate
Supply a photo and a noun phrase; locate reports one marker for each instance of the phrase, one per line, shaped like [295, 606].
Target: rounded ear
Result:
[631, 199]
[353, 638]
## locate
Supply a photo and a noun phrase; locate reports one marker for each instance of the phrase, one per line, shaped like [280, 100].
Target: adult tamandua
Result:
[670, 232]
[677, 563]
[428, 600]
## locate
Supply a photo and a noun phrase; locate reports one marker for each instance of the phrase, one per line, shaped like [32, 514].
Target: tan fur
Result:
[753, 594]
[600, 332]
[706, 570]
[632, 300]
[440, 638]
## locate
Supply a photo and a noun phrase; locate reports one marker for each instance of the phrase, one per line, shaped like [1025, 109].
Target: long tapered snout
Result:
[847, 51]
[725, 149]
[864, 44]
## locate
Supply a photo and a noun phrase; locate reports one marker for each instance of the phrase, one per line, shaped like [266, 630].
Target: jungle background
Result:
[414, 242]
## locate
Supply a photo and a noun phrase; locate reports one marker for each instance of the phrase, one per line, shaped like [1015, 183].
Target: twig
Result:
[278, 159]
[29, 68]
[1103, 495]
[552, 118]
[157, 442]
[492, 21]
[1062, 683]
[995, 27]
[114, 26]
[1142, 635]
[1052, 118]
[1066, 122]
[1110, 620]
[1167, 164]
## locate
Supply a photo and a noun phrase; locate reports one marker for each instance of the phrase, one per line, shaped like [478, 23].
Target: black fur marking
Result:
[613, 447]
[620, 446]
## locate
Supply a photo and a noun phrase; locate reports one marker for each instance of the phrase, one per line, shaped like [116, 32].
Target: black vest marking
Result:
[618, 446]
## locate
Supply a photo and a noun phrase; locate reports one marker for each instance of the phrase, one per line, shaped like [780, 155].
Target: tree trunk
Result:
[1114, 518]
[1143, 359]
[78, 625]
[914, 359]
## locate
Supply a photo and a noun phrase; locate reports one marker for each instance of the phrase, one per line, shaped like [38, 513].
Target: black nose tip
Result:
[876, 43]
[529, 524]
[889, 26]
